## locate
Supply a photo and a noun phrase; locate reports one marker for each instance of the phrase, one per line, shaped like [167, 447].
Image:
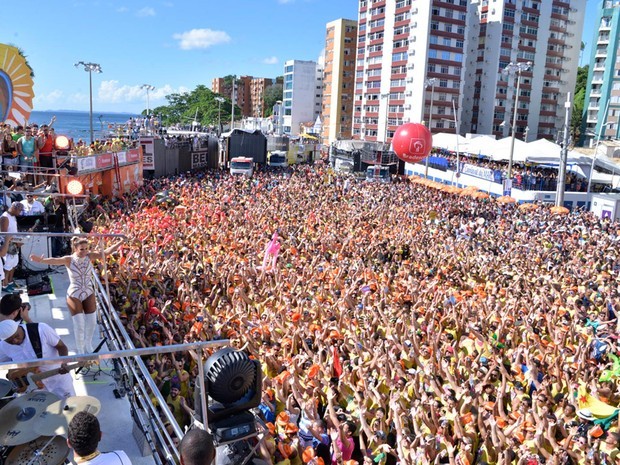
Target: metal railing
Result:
[130, 373]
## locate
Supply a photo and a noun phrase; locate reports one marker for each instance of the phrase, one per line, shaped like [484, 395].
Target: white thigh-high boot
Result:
[78, 332]
[89, 330]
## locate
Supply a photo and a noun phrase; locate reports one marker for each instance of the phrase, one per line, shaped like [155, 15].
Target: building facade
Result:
[249, 93]
[444, 63]
[602, 100]
[302, 94]
[339, 80]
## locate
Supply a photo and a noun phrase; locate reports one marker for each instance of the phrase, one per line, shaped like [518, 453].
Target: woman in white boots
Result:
[81, 293]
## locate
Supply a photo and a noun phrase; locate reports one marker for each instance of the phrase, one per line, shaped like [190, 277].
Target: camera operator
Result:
[57, 222]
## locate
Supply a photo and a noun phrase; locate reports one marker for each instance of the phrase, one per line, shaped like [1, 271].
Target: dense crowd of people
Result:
[528, 177]
[394, 323]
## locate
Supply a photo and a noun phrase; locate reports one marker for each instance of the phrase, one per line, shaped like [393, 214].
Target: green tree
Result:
[579, 102]
[197, 105]
[272, 95]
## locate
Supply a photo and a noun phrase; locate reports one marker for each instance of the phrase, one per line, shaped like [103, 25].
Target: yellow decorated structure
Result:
[16, 86]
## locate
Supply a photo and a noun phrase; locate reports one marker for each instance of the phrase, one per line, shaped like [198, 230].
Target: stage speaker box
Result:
[38, 284]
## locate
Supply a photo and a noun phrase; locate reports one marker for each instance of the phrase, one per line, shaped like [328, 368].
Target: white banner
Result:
[86, 164]
[477, 171]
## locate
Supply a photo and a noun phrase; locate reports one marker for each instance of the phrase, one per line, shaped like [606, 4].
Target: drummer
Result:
[16, 346]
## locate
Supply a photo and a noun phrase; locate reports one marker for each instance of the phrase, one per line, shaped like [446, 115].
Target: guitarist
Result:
[36, 340]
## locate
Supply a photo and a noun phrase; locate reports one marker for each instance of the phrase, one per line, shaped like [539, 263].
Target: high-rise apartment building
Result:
[339, 80]
[602, 100]
[457, 53]
[249, 93]
[302, 94]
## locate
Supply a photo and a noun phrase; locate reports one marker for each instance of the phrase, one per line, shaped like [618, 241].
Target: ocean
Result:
[76, 124]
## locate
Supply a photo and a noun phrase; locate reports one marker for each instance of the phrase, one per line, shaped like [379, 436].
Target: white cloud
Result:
[48, 99]
[146, 11]
[200, 38]
[112, 92]
[270, 60]
[122, 9]
[284, 2]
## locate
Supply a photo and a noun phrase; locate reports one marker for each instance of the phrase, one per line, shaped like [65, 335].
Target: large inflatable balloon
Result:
[412, 142]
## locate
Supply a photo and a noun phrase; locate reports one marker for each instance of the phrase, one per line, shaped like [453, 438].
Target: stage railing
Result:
[130, 373]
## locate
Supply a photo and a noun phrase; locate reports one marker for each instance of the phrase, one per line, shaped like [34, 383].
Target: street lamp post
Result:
[90, 68]
[386, 96]
[516, 69]
[148, 88]
[559, 197]
[458, 152]
[430, 82]
[219, 101]
[232, 112]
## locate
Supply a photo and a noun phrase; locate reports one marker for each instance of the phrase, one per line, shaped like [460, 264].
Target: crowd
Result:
[394, 324]
[524, 176]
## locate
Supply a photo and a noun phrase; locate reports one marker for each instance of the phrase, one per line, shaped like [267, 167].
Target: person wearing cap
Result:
[8, 224]
[83, 437]
[197, 448]
[16, 346]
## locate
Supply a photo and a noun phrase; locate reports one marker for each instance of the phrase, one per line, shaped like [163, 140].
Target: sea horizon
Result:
[75, 124]
[86, 111]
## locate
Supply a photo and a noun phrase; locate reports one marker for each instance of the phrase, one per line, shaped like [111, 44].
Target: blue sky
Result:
[173, 45]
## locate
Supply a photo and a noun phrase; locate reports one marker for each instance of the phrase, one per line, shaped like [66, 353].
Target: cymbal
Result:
[53, 453]
[55, 419]
[18, 417]
[5, 387]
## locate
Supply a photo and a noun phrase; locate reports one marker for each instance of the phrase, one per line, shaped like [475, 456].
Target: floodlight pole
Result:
[148, 88]
[232, 113]
[458, 153]
[516, 69]
[559, 197]
[430, 82]
[219, 114]
[89, 68]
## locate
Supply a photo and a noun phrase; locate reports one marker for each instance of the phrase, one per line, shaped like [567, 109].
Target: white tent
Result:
[480, 145]
[500, 150]
[545, 152]
[449, 141]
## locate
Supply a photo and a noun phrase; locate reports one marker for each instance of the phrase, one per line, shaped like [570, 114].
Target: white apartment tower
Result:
[303, 84]
[602, 101]
[456, 51]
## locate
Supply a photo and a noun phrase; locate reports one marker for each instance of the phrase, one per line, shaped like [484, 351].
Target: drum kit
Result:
[32, 425]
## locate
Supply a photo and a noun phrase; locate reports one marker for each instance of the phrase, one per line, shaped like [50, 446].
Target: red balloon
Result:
[412, 142]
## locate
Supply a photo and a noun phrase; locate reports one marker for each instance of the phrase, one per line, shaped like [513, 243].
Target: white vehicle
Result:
[242, 165]
[278, 158]
[378, 173]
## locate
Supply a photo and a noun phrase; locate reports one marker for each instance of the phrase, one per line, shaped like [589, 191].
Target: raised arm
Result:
[56, 261]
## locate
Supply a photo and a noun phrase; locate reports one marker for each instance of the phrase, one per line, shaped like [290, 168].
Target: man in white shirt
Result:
[17, 346]
[32, 206]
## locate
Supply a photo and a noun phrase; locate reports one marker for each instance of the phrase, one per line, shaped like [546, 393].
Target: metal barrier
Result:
[130, 373]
